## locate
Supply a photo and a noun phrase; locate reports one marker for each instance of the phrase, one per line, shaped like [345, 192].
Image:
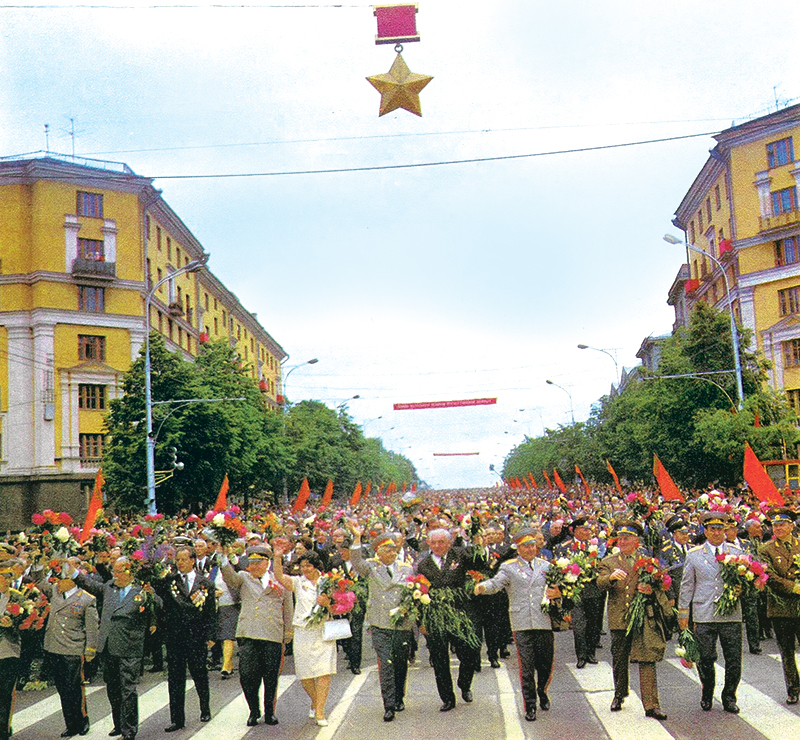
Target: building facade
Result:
[82, 242]
[742, 209]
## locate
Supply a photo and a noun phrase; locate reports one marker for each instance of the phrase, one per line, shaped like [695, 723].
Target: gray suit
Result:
[701, 584]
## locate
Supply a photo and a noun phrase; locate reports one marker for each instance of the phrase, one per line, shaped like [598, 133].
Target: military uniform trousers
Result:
[9, 668]
[259, 660]
[787, 634]
[439, 650]
[67, 671]
[121, 675]
[730, 638]
[392, 648]
[587, 623]
[181, 654]
[535, 653]
[495, 622]
[620, 662]
[352, 646]
[750, 617]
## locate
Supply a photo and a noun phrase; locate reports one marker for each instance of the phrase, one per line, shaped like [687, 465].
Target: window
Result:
[169, 249]
[216, 326]
[700, 221]
[180, 337]
[791, 353]
[224, 317]
[160, 277]
[160, 322]
[794, 400]
[158, 238]
[91, 397]
[91, 249]
[147, 227]
[90, 204]
[178, 256]
[205, 300]
[780, 152]
[91, 347]
[91, 447]
[717, 197]
[783, 201]
[215, 304]
[91, 298]
[789, 300]
[786, 252]
[169, 329]
[691, 233]
[708, 209]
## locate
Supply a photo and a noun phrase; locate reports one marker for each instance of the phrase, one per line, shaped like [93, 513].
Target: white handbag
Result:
[336, 629]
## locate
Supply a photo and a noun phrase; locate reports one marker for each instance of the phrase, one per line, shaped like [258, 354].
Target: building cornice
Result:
[771, 274]
[39, 276]
[709, 174]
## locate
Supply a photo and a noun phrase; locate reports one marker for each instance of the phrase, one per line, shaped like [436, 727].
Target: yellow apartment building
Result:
[81, 244]
[743, 209]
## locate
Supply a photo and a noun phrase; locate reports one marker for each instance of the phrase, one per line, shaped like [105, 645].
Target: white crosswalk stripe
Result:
[760, 711]
[44, 708]
[149, 703]
[340, 710]
[598, 683]
[508, 703]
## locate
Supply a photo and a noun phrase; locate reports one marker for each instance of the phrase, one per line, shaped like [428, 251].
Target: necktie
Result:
[389, 571]
[716, 552]
[186, 581]
[788, 544]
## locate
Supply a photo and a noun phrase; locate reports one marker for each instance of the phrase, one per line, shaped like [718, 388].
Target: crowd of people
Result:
[508, 567]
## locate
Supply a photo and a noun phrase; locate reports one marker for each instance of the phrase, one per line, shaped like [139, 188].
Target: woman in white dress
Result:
[314, 658]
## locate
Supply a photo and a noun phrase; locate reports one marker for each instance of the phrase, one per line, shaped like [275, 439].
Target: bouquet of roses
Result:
[569, 577]
[687, 649]
[414, 597]
[26, 609]
[741, 574]
[341, 597]
[50, 530]
[226, 526]
[650, 574]
[475, 577]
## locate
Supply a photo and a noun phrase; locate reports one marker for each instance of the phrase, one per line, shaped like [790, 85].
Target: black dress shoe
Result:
[448, 705]
[399, 707]
[756, 651]
[494, 663]
[616, 704]
[504, 653]
[270, 719]
[388, 715]
[355, 671]
[252, 720]
[114, 732]
[85, 729]
[705, 705]
[792, 699]
[466, 695]
[205, 717]
[581, 663]
[655, 714]
[544, 702]
[68, 733]
[174, 727]
[591, 659]
[732, 707]
[530, 715]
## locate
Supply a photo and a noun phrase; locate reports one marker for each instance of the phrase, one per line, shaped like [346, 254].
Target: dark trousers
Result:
[750, 616]
[121, 676]
[787, 633]
[352, 646]
[495, 623]
[730, 638]
[587, 623]
[9, 668]
[535, 654]
[620, 662]
[180, 654]
[259, 660]
[392, 648]
[67, 671]
[439, 649]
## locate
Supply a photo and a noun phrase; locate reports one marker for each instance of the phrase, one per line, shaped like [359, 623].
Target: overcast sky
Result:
[430, 283]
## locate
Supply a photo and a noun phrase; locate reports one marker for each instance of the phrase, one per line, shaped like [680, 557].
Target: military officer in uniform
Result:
[781, 555]
[618, 576]
[524, 579]
[700, 588]
[9, 649]
[70, 639]
[392, 643]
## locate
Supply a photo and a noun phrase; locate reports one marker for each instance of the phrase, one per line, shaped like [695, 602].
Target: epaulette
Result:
[696, 547]
[512, 560]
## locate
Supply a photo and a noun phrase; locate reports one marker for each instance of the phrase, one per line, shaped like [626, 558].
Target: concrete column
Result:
[44, 423]
[18, 429]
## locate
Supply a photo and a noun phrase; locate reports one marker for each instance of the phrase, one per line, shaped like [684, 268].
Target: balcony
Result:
[768, 223]
[97, 269]
[175, 309]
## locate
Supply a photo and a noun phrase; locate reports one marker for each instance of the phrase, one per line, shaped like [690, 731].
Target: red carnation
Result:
[38, 519]
[13, 609]
[64, 518]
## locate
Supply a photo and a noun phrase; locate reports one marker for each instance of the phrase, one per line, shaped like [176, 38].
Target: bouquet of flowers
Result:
[26, 609]
[341, 597]
[50, 530]
[687, 649]
[650, 574]
[569, 577]
[226, 526]
[475, 577]
[442, 616]
[414, 597]
[741, 574]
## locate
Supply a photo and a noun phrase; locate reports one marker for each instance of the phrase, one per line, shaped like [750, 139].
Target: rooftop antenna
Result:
[72, 135]
[47, 137]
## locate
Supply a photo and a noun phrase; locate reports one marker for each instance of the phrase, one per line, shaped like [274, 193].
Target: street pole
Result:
[284, 378]
[571, 409]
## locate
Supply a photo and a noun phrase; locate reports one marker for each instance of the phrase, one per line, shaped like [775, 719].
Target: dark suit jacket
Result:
[453, 574]
[185, 621]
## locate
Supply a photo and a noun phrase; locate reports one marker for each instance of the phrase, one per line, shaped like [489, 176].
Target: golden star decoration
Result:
[399, 88]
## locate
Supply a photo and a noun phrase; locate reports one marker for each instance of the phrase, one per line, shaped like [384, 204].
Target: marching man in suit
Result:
[191, 618]
[524, 579]
[70, 639]
[700, 588]
[387, 580]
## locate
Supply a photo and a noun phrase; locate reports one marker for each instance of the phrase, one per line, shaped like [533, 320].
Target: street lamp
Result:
[571, 409]
[605, 351]
[285, 407]
[192, 266]
[314, 361]
[344, 403]
[734, 332]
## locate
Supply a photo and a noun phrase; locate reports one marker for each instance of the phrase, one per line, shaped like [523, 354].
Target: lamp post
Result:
[571, 409]
[193, 266]
[284, 378]
[313, 361]
[344, 403]
[604, 351]
[734, 332]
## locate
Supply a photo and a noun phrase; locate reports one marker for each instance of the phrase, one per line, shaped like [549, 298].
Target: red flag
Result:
[527, 484]
[758, 479]
[547, 478]
[327, 496]
[95, 505]
[302, 497]
[614, 476]
[756, 420]
[222, 496]
[368, 488]
[668, 488]
[583, 480]
[356, 497]
[559, 482]
[413, 487]
[533, 480]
